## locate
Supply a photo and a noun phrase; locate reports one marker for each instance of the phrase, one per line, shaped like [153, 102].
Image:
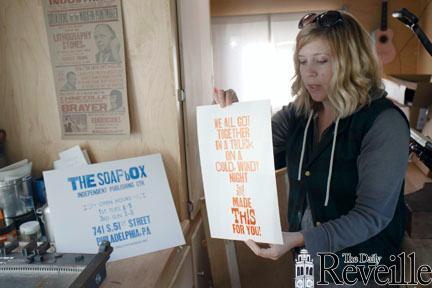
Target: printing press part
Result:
[40, 268]
[424, 154]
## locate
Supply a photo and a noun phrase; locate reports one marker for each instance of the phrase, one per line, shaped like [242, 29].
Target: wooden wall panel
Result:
[425, 59]
[200, 259]
[368, 12]
[250, 7]
[197, 83]
[28, 110]
[407, 47]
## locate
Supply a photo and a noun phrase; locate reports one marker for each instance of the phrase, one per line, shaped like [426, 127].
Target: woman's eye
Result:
[322, 61]
[302, 62]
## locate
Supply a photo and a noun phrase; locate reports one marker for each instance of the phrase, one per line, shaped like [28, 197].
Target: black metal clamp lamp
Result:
[411, 20]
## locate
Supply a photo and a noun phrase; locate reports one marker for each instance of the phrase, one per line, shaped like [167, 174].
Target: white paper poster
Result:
[236, 153]
[127, 202]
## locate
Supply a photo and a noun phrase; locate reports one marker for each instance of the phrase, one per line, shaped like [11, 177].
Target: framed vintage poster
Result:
[88, 62]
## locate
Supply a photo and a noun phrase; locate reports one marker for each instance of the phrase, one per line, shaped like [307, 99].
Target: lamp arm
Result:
[410, 20]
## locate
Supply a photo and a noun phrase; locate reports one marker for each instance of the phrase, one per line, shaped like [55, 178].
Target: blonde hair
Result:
[356, 71]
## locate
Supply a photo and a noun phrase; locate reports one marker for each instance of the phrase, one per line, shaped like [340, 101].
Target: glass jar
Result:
[30, 231]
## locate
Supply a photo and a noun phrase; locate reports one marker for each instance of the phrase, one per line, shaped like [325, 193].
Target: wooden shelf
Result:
[163, 268]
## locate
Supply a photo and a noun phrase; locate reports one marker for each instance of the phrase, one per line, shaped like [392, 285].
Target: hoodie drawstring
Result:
[331, 157]
[331, 162]
[304, 145]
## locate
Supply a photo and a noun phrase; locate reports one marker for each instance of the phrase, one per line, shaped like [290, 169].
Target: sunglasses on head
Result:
[326, 19]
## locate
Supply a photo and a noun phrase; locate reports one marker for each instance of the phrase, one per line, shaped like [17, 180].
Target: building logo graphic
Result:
[304, 271]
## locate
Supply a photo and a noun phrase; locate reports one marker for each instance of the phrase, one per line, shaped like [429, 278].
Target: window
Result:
[254, 56]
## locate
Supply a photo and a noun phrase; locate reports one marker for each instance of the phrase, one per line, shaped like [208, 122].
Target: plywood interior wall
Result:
[424, 64]
[250, 7]
[28, 110]
[368, 12]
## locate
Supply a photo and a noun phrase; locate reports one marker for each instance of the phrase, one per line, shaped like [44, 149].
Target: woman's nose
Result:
[311, 70]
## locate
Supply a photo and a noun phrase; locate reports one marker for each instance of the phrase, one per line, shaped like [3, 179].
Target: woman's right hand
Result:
[224, 98]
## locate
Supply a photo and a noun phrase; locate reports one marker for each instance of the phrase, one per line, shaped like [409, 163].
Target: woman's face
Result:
[316, 68]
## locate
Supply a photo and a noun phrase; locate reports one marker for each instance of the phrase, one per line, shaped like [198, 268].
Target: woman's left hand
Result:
[275, 251]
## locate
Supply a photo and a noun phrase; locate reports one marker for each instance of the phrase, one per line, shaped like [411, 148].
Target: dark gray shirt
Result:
[381, 167]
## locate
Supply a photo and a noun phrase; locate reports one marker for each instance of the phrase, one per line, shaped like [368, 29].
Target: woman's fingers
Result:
[216, 96]
[229, 97]
[270, 253]
[224, 98]
[221, 97]
[253, 246]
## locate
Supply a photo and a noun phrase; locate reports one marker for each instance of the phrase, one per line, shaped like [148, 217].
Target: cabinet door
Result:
[196, 81]
[200, 259]
[183, 277]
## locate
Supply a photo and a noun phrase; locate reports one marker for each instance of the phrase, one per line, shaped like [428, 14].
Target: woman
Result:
[345, 146]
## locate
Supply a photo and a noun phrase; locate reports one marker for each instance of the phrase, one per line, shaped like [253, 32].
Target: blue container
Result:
[39, 191]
